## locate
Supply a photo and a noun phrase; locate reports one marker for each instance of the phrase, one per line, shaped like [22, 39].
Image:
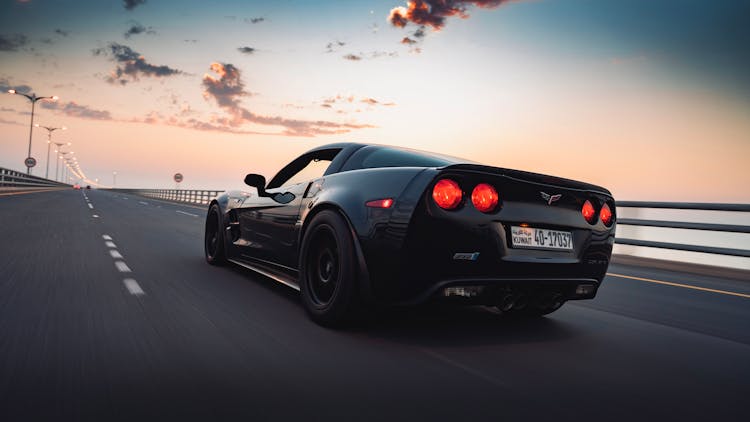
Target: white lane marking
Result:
[110, 244]
[122, 267]
[106, 237]
[144, 203]
[685, 286]
[115, 254]
[91, 206]
[187, 213]
[133, 287]
[95, 216]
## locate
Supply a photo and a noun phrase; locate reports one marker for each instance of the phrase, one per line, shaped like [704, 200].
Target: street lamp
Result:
[33, 98]
[49, 143]
[57, 151]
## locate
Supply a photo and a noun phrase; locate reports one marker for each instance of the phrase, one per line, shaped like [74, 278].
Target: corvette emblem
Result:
[550, 198]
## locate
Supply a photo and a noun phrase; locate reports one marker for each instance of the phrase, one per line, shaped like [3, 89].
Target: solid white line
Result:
[133, 287]
[187, 213]
[110, 244]
[106, 237]
[115, 254]
[144, 203]
[122, 267]
[91, 206]
[685, 286]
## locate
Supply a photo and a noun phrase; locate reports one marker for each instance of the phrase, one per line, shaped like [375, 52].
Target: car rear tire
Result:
[213, 244]
[328, 270]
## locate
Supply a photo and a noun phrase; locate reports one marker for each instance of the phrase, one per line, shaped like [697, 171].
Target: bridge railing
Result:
[10, 179]
[685, 225]
[189, 196]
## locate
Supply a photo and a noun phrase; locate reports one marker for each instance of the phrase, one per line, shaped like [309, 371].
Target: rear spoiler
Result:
[529, 177]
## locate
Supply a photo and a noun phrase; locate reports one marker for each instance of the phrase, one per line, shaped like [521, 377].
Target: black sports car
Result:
[351, 224]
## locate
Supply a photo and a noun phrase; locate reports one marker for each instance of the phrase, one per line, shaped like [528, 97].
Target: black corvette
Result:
[351, 225]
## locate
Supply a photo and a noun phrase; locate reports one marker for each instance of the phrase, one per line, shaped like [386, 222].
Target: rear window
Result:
[376, 156]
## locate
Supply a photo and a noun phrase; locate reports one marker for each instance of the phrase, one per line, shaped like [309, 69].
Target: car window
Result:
[305, 168]
[313, 170]
[376, 156]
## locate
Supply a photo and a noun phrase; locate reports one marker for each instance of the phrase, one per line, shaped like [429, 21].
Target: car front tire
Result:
[214, 237]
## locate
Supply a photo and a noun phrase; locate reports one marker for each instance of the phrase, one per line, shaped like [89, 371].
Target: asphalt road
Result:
[151, 332]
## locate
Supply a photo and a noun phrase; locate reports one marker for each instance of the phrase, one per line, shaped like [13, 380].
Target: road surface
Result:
[109, 312]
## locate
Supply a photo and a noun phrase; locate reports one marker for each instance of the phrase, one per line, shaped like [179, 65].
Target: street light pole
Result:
[33, 98]
[114, 179]
[57, 154]
[49, 143]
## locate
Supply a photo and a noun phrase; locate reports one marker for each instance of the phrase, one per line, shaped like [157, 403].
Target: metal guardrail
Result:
[203, 197]
[16, 179]
[728, 228]
[199, 197]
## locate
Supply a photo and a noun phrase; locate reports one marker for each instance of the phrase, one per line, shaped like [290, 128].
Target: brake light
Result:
[588, 211]
[484, 197]
[380, 203]
[447, 194]
[606, 215]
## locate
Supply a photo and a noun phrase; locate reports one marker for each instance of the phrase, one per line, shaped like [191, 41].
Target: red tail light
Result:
[588, 211]
[606, 215]
[380, 203]
[484, 197]
[447, 194]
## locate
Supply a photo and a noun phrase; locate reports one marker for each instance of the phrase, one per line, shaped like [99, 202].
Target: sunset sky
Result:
[650, 99]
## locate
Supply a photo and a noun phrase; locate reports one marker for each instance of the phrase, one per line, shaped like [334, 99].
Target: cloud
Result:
[62, 32]
[131, 64]
[349, 100]
[433, 13]
[5, 85]
[12, 42]
[132, 4]
[136, 28]
[334, 45]
[227, 89]
[246, 50]
[254, 20]
[73, 109]
[10, 122]
[371, 55]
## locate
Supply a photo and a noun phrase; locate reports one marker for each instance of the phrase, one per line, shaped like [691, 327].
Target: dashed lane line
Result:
[186, 213]
[143, 203]
[122, 267]
[110, 244]
[106, 237]
[133, 287]
[91, 206]
[684, 286]
[115, 254]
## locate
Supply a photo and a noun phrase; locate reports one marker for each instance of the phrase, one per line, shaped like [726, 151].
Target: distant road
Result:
[109, 312]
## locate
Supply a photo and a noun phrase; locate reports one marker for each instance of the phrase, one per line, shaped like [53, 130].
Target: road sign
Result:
[178, 177]
[30, 162]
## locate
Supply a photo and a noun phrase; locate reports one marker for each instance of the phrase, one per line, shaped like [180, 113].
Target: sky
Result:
[650, 99]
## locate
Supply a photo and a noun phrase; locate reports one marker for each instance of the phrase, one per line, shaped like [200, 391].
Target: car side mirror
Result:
[257, 181]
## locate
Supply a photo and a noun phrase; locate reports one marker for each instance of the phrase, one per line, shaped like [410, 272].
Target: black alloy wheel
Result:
[328, 270]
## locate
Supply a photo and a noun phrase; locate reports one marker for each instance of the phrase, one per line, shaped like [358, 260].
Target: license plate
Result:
[529, 237]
